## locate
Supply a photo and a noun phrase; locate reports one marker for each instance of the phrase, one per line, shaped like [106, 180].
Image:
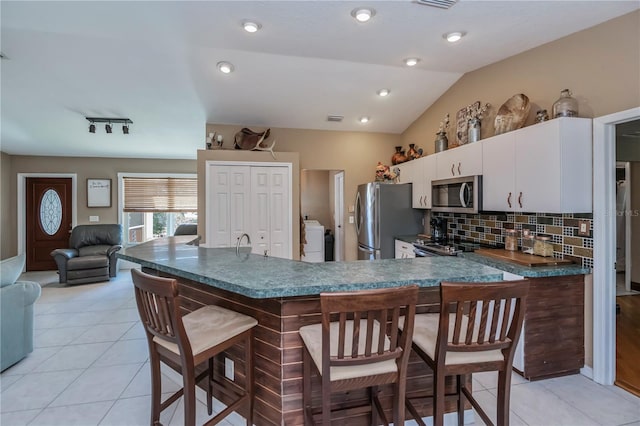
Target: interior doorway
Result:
[604, 253]
[627, 181]
[322, 204]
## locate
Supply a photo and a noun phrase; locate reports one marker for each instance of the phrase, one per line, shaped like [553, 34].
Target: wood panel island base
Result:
[283, 295]
[278, 355]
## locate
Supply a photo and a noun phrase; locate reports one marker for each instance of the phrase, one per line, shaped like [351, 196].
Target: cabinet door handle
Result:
[459, 173]
[453, 172]
[509, 200]
[422, 200]
[520, 199]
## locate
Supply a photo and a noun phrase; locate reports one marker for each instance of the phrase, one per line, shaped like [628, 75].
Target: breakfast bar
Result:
[283, 295]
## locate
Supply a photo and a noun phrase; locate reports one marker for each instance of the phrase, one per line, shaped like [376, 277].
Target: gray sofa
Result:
[16, 312]
[91, 256]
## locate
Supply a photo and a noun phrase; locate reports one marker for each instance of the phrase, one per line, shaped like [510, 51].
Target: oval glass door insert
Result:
[50, 212]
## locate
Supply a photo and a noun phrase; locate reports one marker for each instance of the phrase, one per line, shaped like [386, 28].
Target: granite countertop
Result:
[526, 271]
[514, 268]
[259, 277]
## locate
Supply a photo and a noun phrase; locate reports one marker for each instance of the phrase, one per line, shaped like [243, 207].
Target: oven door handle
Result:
[423, 253]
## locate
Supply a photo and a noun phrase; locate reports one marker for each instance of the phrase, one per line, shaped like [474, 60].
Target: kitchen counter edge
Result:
[259, 277]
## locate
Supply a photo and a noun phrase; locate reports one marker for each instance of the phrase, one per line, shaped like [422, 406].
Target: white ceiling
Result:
[155, 63]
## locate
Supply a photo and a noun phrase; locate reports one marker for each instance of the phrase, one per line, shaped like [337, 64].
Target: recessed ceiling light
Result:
[454, 36]
[364, 119]
[250, 26]
[363, 14]
[383, 92]
[410, 62]
[225, 67]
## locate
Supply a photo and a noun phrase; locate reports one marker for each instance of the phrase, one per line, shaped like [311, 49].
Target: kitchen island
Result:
[283, 295]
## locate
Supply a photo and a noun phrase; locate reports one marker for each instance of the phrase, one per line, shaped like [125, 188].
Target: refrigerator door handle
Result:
[358, 213]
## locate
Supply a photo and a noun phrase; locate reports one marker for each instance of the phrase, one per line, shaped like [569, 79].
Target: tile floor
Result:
[89, 367]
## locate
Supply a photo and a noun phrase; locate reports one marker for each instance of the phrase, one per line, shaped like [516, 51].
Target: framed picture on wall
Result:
[98, 192]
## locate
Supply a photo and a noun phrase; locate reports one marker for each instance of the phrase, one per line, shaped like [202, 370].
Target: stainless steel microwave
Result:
[457, 195]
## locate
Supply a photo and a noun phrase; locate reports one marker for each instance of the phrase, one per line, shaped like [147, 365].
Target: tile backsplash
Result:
[488, 228]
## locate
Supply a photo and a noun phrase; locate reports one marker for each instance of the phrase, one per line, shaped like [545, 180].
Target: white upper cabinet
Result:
[419, 172]
[465, 160]
[499, 173]
[546, 167]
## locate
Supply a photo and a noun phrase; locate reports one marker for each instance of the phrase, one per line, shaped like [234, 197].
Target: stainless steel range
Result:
[426, 248]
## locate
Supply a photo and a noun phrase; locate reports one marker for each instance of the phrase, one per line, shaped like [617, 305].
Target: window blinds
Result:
[160, 194]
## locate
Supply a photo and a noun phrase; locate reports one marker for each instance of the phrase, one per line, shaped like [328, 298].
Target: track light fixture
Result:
[109, 124]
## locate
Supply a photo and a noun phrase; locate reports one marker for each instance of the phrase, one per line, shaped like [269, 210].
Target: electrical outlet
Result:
[94, 218]
[583, 228]
[351, 219]
[229, 368]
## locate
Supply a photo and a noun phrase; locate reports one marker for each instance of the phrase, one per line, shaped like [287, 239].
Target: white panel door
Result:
[280, 225]
[260, 210]
[228, 214]
[240, 201]
[271, 211]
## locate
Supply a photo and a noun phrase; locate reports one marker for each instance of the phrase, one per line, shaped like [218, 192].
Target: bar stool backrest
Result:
[157, 300]
[367, 326]
[478, 317]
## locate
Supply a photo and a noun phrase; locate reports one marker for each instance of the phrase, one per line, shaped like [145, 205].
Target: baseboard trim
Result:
[587, 372]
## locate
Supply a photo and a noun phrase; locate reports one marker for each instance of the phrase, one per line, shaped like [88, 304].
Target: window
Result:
[154, 206]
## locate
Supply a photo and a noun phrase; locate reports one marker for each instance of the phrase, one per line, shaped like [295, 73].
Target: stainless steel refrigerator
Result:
[383, 210]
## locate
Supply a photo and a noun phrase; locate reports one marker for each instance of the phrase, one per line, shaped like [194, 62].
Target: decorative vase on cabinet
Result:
[566, 106]
[473, 128]
[398, 157]
[442, 143]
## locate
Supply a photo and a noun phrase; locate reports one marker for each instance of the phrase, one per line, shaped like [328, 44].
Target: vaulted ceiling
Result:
[155, 63]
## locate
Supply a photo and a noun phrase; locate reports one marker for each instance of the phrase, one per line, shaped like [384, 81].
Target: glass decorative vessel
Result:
[442, 143]
[543, 246]
[566, 106]
[511, 239]
[473, 129]
[527, 243]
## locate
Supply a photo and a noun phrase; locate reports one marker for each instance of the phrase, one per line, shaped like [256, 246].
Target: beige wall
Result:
[7, 211]
[315, 196]
[102, 168]
[357, 153]
[600, 65]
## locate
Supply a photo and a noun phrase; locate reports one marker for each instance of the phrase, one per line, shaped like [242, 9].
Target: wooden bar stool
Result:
[477, 330]
[361, 348]
[184, 342]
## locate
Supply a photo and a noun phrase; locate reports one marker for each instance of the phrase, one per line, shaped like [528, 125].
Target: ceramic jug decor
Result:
[413, 152]
[399, 156]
